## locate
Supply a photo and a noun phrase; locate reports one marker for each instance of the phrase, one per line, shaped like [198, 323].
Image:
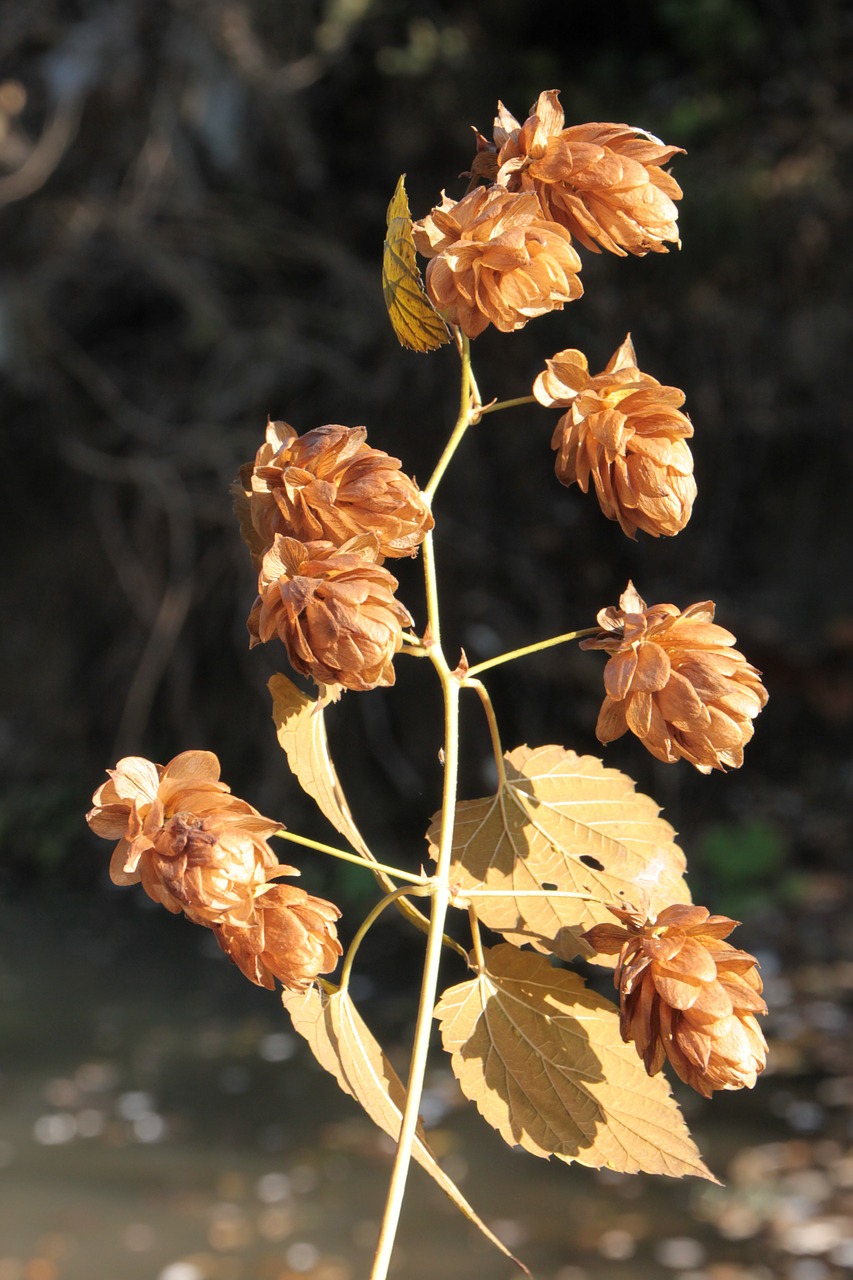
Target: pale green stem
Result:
[352, 857]
[440, 901]
[497, 749]
[369, 920]
[431, 588]
[476, 940]
[497, 405]
[480, 667]
[468, 409]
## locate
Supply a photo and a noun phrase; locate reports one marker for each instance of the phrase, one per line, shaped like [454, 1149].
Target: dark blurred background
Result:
[192, 208]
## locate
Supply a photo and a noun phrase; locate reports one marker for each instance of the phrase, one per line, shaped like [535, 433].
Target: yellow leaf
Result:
[345, 1048]
[542, 1058]
[562, 822]
[417, 324]
[301, 731]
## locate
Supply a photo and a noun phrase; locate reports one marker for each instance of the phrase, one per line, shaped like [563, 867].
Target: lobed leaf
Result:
[417, 324]
[542, 1058]
[301, 732]
[343, 1045]
[562, 822]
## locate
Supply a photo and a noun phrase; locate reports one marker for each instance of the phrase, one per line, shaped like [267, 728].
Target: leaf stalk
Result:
[527, 649]
[372, 866]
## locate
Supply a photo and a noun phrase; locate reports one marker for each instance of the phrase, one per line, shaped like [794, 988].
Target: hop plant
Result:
[495, 260]
[687, 995]
[196, 848]
[605, 183]
[627, 433]
[334, 610]
[328, 485]
[563, 846]
[675, 680]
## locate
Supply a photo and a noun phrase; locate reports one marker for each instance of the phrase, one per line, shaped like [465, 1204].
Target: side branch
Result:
[372, 865]
[497, 749]
[527, 649]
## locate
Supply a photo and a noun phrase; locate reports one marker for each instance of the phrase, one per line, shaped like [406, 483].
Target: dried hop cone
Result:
[196, 848]
[675, 681]
[627, 432]
[192, 845]
[328, 485]
[496, 260]
[291, 936]
[686, 995]
[603, 182]
[333, 608]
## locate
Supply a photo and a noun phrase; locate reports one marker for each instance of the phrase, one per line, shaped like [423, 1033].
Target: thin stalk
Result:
[476, 940]
[497, 748]
[365, 925]
[467, 408]
[497, 405]
[439, 903]
[523, 652]
[352, 857]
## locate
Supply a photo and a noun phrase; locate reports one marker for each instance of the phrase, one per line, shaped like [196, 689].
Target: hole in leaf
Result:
[589, 861]
[546, 884]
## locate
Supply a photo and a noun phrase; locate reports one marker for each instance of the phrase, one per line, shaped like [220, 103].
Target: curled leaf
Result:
[344, 1047]
[301, 732]
[417, 324]
[542, 1058]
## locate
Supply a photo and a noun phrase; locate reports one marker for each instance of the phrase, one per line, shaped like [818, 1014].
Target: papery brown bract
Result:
[334, 610]
[328, 485]
[494, 259]
[290, 935]
[675, 680]
[192, 845]
[686, 995]
[627, 432]
[603, 182]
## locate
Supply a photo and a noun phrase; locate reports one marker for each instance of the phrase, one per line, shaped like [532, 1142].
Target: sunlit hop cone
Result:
[328, 484]
[603, 182]
[192, 845]
[627, 432]
[290, 935]
[686, 995]
[334, 610]
[196, 848]
[675, 681]
[496, 260]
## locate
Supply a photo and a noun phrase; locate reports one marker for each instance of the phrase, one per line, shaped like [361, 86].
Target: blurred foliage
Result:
[742, 861]
[192, 201]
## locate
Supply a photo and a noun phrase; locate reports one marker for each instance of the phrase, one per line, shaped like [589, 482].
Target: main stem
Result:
[469, 408]
[440, 901]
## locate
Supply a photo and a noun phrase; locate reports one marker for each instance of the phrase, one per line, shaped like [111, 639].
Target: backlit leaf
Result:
[542, 1058]
[301, 731]
[345, 1048]
[562, 822]
[417, 324]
